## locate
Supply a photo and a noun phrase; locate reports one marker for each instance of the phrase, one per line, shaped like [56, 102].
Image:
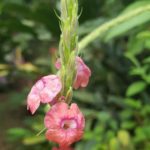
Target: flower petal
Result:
[53, 117]
[33, 102]
[52, 86]
[65, 125]
[44, 91]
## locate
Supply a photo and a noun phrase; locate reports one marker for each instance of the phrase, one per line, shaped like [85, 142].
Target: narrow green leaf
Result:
[34, 140]
[136, 88]
[137, 20]
[90, 25]
[126, 26]
[17, 133]
[120, 24]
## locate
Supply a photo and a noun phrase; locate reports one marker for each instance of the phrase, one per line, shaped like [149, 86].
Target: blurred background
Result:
[116, 102]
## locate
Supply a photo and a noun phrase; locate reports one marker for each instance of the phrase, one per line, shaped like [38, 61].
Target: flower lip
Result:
[65, 124]
[69, 123]
[44, 91]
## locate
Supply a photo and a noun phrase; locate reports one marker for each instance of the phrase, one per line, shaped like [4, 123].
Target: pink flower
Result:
[83, 73]
[65, 125]
[44, 91]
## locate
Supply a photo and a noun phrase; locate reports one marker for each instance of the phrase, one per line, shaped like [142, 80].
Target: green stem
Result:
[68, 45]
[106, 26]
[41, 132]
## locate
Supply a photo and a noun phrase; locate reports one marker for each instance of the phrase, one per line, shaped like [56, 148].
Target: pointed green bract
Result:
[68, 46]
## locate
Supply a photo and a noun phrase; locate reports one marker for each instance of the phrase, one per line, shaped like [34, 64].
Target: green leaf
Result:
[17, 133]
[142, 133]
[34, 140]
[147, 78]
[140, 71]
[88, 135]
[133, 103]
[90, 25]
[146, 60]
[146, 110]
[128, 125]
[124, 137]
[119, 25]
[84, 96]
[114, 144]
[126, 26]
[136, 5]
[138, 44]
[136, 88]
[132, 58]
[122, 28]
[104, 116]
[126, 114]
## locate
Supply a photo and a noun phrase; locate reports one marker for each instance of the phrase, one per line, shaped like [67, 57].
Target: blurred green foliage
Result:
[116, 103]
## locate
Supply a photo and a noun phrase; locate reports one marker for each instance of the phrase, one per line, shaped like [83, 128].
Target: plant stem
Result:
[68, 46]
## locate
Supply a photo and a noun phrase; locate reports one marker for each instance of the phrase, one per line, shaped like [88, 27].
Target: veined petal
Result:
[65, 125]
[44, 91]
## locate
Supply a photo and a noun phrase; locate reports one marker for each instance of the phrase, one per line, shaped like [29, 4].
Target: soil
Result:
[9, 118]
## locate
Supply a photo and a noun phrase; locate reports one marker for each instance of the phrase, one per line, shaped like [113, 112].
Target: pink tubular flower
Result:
[44, 91]
[83, 73]
[65, 125]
